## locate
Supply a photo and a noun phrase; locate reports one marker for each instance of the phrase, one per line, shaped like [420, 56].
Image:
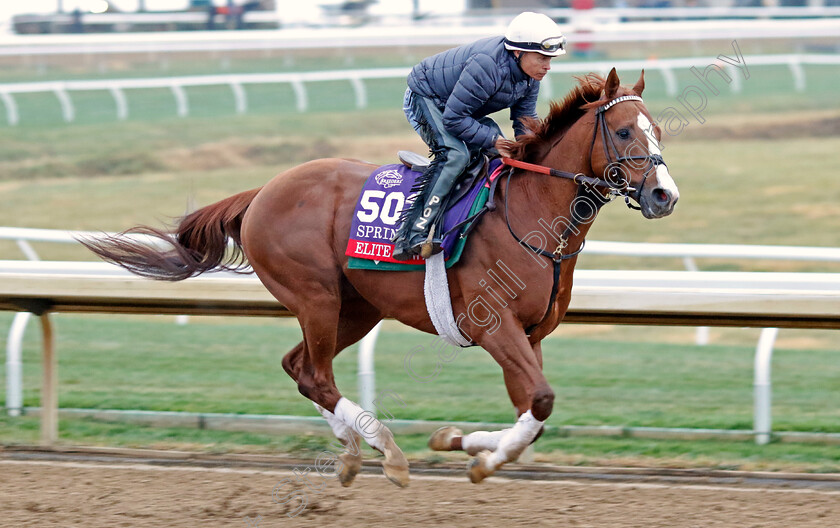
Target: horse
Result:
[293, 232]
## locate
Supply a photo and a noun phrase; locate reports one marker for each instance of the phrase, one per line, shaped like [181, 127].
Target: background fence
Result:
[357, 79]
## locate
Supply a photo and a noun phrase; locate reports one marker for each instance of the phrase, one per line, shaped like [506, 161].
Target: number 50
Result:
[390, 210]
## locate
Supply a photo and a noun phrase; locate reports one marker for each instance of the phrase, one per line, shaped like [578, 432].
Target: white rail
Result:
[24, 235]
[237, 82]
[724, 251]
[648, 295]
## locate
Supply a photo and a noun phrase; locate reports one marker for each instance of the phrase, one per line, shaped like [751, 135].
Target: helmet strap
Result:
[518, 60]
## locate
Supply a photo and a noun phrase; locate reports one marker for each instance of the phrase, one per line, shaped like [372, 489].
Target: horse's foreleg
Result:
[531, 395]
[511, 444]
[451, 438]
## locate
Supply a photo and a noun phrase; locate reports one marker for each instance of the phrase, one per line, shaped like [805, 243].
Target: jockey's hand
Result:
[503, 146]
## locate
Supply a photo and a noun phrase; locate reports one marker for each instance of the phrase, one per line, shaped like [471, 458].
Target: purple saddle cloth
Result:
[376, 216]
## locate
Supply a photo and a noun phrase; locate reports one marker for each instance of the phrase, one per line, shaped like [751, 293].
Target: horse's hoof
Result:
[441, 440]
[351, 465]
[396, 474]
[395, 463]
[477, 467]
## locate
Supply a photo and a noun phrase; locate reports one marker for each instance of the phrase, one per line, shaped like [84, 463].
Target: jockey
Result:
[448, 99]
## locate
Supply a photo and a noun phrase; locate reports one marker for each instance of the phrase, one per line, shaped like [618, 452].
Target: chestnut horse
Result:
[295, 229]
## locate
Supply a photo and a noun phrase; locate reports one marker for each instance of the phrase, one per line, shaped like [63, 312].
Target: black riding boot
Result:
[413, 236]
[404, 240]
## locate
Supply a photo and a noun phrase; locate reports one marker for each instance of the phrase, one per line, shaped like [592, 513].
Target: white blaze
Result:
[663, 177]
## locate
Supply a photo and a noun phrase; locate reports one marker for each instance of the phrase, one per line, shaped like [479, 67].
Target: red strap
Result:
[527, 166]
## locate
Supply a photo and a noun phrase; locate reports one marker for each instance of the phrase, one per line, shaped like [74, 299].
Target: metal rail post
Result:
[367, 373]
[49, 384]
[14, 348]
[701, 337]
[762, 417]
[14, 365]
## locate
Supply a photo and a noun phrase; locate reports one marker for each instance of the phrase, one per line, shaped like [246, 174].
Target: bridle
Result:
[654, 160]
[625, 190]
[584, 183]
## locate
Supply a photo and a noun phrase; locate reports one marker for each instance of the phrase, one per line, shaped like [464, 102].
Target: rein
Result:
[584, 183]
[577, 178]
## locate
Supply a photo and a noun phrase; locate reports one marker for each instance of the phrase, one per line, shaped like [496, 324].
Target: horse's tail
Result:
[197, 244]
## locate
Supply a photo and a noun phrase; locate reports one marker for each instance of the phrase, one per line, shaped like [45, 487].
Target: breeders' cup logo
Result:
[389, 178]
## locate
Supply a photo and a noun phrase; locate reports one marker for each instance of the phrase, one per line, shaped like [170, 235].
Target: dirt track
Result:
[122, 493]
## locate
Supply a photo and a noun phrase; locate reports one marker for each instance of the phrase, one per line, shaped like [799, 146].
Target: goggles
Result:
[551, 44]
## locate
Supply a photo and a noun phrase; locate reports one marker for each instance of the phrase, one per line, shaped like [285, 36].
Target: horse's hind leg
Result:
[351, 457]
[325, 334]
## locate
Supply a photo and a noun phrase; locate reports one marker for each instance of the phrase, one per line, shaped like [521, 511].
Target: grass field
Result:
[761, 169]
[733, 190]
[128, 363]
[153, 364]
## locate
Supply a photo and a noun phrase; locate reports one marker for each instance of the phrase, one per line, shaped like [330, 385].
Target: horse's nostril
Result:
[661, 195]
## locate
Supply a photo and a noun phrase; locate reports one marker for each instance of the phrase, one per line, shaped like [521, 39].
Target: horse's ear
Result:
[640, 84]
[611, 86]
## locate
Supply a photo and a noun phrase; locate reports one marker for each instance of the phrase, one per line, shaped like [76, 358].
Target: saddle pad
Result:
[376, 216]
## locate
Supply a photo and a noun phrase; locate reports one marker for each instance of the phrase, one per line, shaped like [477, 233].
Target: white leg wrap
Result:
[361, 421]
[515, 440]
[341, 431]
[478, 441]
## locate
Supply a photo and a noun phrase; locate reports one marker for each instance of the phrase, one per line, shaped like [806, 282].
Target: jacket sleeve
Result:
[476, 85]
[525, 107]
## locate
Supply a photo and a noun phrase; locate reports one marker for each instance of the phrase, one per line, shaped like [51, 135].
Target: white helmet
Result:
[535, 32]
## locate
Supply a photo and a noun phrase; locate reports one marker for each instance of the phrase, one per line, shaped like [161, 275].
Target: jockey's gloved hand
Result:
[502, 147]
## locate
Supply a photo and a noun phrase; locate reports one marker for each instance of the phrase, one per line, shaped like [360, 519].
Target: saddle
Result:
[476, 170]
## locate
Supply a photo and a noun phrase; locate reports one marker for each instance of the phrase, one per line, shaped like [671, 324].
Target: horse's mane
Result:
[561, 116]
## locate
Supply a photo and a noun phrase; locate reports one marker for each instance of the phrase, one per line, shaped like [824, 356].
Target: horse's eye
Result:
[623, 133]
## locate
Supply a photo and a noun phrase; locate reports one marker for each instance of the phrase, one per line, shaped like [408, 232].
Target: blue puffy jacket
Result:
[472, 81]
